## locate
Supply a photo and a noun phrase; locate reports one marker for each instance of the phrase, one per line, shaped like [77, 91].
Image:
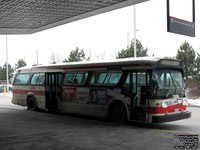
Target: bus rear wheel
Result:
[117, 114]
[31, 105]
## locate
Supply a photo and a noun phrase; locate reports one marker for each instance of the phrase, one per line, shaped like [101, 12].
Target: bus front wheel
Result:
[117, 113]
[31, 105]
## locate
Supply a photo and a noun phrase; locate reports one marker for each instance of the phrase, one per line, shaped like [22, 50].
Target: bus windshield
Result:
[167, 83]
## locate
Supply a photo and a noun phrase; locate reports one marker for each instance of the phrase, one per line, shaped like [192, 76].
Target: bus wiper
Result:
[168, 91]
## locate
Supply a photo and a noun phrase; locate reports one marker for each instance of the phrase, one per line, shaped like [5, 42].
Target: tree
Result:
[76, 55]
[20, 63]
[3, 72]
[197, 68]
[187, 54]
[129, 52]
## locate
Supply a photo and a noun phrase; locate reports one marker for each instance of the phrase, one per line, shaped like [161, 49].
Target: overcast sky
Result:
[106, 34]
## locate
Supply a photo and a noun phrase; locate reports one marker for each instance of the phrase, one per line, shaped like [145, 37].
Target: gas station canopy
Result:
[30, 16]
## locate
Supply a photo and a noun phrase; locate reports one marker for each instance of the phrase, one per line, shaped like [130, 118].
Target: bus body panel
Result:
[80, 101]
[95, 100]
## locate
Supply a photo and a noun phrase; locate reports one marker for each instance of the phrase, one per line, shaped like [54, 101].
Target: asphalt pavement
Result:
[21, 130]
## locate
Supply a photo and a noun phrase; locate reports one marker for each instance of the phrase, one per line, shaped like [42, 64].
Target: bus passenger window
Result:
[34, 78]
[98, 78]
[101, 78]
[80, 78]
[106, 78]
[40, 79]
[93, 80]
[75, 78]
[113, 78]
[69, 78]
[22, 79]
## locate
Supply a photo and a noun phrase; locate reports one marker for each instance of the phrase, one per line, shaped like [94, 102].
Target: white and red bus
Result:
[143, 89]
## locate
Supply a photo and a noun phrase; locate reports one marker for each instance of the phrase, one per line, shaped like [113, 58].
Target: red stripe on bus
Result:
[36, 92]
[19, 91]
[169, 109]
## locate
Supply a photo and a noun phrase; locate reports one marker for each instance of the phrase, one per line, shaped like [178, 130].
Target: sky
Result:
[102, 36]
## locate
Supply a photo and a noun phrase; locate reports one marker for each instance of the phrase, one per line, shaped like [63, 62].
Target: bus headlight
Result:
[185, 102]
[164, 104]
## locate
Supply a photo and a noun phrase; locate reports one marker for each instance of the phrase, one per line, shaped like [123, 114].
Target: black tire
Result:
[31, 105]
[117, 113]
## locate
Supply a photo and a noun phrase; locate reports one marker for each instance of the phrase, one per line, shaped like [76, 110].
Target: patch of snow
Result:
[193, 102]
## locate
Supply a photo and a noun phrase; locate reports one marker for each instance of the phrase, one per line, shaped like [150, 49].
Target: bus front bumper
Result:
[171, 117]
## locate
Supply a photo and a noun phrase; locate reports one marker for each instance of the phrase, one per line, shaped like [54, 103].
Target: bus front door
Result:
[53, 90]
[138, 87]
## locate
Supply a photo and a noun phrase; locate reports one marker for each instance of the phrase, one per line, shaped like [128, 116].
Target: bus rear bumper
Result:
[172, 117]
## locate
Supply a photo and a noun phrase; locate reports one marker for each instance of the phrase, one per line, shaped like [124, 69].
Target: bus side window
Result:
[22, 79]
[80, 78]
[94, 79]
[34, 78]
[75, 78]
[113, 78]
[40, 79]
[98, 78]
[107, 78]
[69, 78]
[101, 78]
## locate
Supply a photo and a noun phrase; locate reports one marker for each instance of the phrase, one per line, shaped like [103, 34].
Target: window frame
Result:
[86, 74]
[36, 83]
[14, 83]
[108, 74]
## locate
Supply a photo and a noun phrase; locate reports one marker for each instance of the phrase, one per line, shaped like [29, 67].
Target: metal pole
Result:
[37, 55]
[193, 11]
[7, 62]
[168, 16]
[135, 45]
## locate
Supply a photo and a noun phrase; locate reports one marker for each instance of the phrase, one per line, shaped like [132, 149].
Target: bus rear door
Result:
[53, 90]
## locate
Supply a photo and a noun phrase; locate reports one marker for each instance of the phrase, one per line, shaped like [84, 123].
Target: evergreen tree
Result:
[3, 72]
[76, 55]
[187, 54]
[129, 52]
[197, 68]
[20, 63]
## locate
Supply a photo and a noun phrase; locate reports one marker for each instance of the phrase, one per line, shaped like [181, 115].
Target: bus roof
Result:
[148, 61]
[105, 62]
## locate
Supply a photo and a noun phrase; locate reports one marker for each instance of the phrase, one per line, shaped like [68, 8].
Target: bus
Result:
[149, 90]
